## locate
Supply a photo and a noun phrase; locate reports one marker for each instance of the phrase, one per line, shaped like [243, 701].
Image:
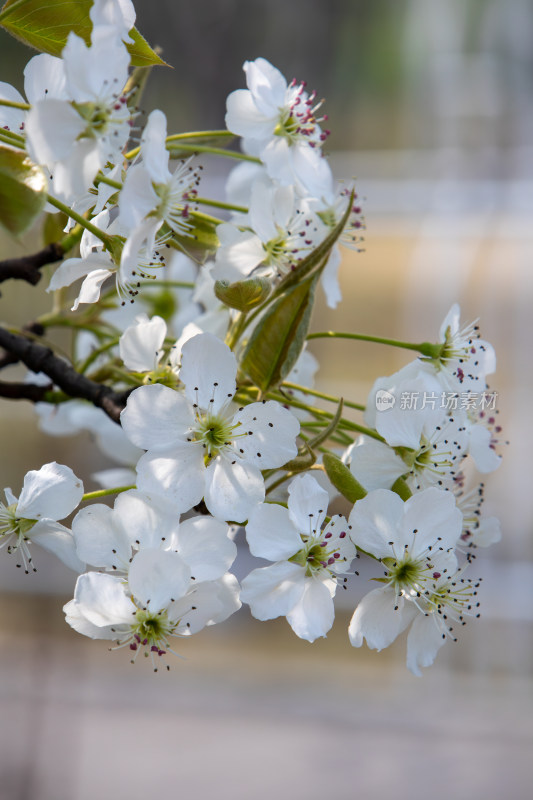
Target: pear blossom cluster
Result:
[199, 325]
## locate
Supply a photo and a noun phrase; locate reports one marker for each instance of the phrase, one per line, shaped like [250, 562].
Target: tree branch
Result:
[27, 268]
[24, 391]
[42, 359]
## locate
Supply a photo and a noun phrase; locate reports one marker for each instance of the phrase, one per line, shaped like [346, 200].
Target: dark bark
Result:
[24, 391]
[62, 374]
[27, 268]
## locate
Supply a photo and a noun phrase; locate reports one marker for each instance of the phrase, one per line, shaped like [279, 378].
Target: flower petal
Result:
[51, 492]
[158, 576]
[273, 591]
[271, 534]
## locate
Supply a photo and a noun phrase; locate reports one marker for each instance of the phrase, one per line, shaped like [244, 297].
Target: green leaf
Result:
[279, 336]
[23, 190]
[46, 26]
[54, 227]
[342, 479]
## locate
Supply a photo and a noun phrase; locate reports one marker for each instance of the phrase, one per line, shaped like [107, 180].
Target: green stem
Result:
[107, 240]
[330, 398]
[205, 201]
[96, 353]
[108, 181]
[426, 348]
[318, 413]
[200, 135]
[216, 151]
[168, 284]
[106, 492]
[14, 104]
[280, 481]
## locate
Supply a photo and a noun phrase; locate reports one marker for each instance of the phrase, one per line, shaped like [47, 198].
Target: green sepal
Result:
[279, 336]
[402, 489]
[304, 460]
[46, 26]
[330, 429]
[23, 190]
[201, 240]
[342, 479]
[243, 295]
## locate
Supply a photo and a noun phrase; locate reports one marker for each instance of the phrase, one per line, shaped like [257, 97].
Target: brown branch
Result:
[32, 327]
[26, 268]
[24, 391]
[42, 359]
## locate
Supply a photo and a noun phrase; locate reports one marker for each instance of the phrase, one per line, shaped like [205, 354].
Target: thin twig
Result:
[42, 359]
[27, 268]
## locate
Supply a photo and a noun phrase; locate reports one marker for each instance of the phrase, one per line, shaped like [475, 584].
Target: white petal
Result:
[479, 446]
[100, 538]
[180, 476]
[244, 119]
[426, 637]
[375, 619]
[330, 281]
[158, 576]
[204, 545]
[91, 286]
[273, 591]
[206, 604]
[52, 127]
[75, 618]
[11, 118]
[137, 197]
[314, 613]
[140, 344]
[58, 540]
[435, 517]
[271, 534]
[52, 492]
[102, 599]
[266, 83]
[374, 464]
[232, 489]
[272, 432]
[156, 417]
[44, 77]
[74, 268]
[208, 370]
[489, 532]
[150, 520]
[153, 147]
[308, 504]
[377, 520]
[312, 173]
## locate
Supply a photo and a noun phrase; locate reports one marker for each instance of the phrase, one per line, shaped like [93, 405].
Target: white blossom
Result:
[309, 559]
[48, 495]
[198, 446]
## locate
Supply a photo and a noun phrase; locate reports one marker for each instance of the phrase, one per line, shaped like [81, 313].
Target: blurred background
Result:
[429, 104]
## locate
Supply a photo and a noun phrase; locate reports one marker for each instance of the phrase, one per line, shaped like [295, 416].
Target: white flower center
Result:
[13, 534]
